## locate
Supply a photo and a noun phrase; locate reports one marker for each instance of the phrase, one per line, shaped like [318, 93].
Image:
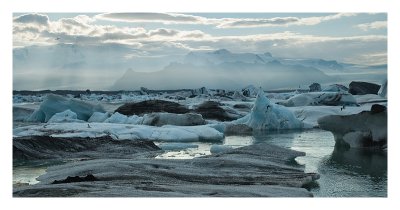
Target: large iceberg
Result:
[269, 116]
[53, 104]
[320, 98]
[365, 129]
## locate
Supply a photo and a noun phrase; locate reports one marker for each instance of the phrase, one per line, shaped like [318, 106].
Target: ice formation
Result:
[364, 129]
[55, 104]
[383, 90]
[65, 116]
[124, 132]
[99, 117]
[320, 98]
[268, 116]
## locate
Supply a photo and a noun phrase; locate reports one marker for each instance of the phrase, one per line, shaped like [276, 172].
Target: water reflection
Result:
[343, 172]
[362, 161]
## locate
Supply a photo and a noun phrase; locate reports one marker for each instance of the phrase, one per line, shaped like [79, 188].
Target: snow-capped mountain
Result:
[223, 69]
[224, 56]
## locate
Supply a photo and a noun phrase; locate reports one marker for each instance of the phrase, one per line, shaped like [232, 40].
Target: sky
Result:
[48, 46]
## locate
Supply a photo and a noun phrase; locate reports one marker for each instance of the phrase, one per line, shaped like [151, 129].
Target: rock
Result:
[315, 87]
[151, 106]
[46, 147]
[377, 108]
[69, 179]
[160, 119]
[237, 129]
[365, 129]
[362, 88]
[213, 110]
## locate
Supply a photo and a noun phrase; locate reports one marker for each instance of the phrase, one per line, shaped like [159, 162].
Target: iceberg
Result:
[168, 133]
[269, 116]
[320, 98]
[99, 117]
[65, 116]
[53, 104]
[365, 129]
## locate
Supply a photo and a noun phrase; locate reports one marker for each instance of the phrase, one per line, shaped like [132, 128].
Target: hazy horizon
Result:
[94, 51]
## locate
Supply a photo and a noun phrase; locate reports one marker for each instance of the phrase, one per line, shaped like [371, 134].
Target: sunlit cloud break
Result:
[373, 25]
[172, 18]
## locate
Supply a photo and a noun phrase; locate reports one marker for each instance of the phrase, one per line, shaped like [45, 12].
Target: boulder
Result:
[151, 106]
[160, 119]
[213, 110]
[315, 87]
[362, 88]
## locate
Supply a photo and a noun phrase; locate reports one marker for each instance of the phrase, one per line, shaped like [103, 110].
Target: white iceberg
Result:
[99, 117]
[53, 104]
[268, 116]
[320, 98]
[117, 118]
[365, 129]
[65, 116]
[124, 131]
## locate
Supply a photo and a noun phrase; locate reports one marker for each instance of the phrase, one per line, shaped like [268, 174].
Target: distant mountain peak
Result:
[268, 54]
[221, 51]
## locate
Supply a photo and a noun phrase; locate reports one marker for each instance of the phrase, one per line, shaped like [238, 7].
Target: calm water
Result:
[344, 173]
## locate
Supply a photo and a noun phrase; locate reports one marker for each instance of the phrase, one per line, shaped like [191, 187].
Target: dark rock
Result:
[362, 88]
[315, 87]
[212, 110]
[151, 106]
[46, 147]
[69, 179]
[238, 129]
[243, 106]
[377, 108]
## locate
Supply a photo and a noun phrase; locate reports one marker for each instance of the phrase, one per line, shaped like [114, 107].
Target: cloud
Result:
[37, 19]
[172, 18]
[83, 30]
[372, 25]
[166, 18]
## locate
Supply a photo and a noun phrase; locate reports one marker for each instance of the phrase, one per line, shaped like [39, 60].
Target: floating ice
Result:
[365, 129]
[53, 104]
[320, 98]
[266, 115]
[65, 116]
[124, 131]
